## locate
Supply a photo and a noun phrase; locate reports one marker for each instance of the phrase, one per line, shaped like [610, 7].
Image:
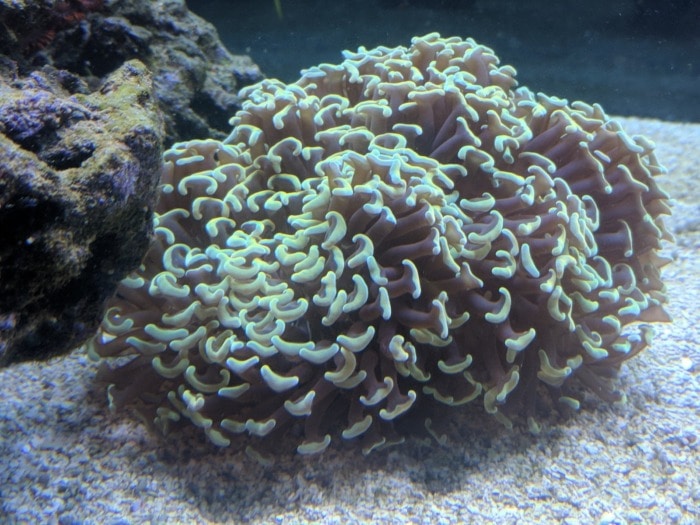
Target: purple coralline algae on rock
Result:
[78, 174]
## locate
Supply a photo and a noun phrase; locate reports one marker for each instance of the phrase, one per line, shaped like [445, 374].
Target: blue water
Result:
[634, 57]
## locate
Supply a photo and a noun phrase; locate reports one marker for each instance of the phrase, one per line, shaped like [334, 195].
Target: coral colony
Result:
[404, 224]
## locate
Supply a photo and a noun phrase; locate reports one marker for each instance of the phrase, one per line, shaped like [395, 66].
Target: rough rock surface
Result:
[196, 78]
[81, 131]
[78, 174]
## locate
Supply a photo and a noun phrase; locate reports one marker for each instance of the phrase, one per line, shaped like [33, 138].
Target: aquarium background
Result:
[634, 57]
[66, 459]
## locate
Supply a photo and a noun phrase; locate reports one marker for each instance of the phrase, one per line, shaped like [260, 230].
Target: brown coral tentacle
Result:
[406, 224]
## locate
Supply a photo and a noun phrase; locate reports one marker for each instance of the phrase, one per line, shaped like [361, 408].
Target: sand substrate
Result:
[65, 459]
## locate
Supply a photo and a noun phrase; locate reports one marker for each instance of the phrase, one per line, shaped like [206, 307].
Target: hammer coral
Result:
[405, 224]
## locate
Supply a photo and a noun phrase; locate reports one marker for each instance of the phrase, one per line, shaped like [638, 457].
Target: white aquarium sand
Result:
[65, 459]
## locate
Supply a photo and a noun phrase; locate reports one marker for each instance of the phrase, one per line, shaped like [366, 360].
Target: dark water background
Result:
[635, 57]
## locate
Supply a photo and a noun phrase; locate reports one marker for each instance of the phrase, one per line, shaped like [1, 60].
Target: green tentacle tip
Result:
[133, 281]
[455, 368]
[116, 323]
[358, 342]
[345, 371]
[189, 341]
[358, 297]
[239, 366]
[301, 407]
[183, 317]
[310, 273]
[148, 348]
[260, 428]
[425, 336]
[491, 233]
[549, 374]
[623, 346]
[287, 312]
[482, 204]
[375, 272]
[277, 382]
[165, 335]
[450, 400]
[522, 341]
[375, 445]
[396, 348]
[335, 310]
[358, 428]
[194, 402]
[614, 322]
[233, 426]
[533, 426]
[217, 437]
[400, 408]
[170, 372]
[336, 230]
[379, 394]
[290, 348]
[319, 354]
[502, 308]
[233, 392]
[527, 261]
[314, 447]
[507, 271]
[508, 386]
[587, 305]
[572, 403]
[362, 253]
[193, 380]
[595, 352]
[555, 302]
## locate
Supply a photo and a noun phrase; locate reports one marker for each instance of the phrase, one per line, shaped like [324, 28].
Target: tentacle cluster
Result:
[406, 223]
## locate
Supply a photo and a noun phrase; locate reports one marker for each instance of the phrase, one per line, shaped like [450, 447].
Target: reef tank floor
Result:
[65, 459]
